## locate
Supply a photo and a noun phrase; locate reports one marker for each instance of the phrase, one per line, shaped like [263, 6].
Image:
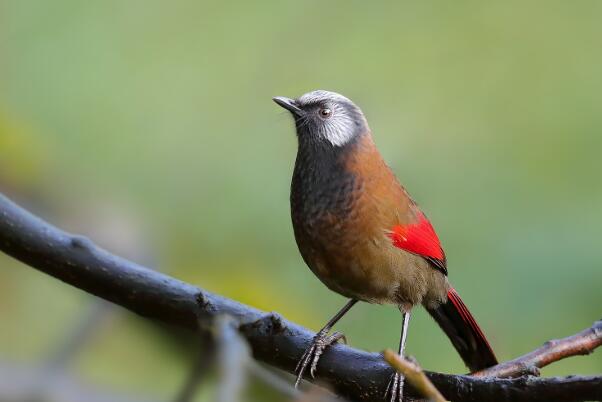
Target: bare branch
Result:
[233, 356]
[354, 374]
[414, 375]
[583, 343]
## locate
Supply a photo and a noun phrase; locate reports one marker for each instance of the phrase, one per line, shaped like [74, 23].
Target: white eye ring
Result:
[325, 113]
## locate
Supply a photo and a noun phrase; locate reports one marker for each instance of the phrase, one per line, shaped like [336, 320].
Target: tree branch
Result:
[354, 374]
[233, 355]
[582, 343]
[414, 375]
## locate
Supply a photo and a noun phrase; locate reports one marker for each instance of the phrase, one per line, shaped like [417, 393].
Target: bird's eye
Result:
[325, 113]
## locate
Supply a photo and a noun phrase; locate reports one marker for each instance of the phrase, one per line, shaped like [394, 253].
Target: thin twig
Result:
[583, 343]
[414, 375]
[351, 373]
[233, 356]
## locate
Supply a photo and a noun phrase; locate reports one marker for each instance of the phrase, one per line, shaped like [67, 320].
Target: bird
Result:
[363, 236]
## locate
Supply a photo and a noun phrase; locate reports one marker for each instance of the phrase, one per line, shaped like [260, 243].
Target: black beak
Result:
[288, 104]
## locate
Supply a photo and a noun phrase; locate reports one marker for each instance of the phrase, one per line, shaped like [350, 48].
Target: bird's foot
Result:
[394, 392]
[311, 356]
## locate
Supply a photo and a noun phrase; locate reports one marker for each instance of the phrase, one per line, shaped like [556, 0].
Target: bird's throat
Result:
[322, 187]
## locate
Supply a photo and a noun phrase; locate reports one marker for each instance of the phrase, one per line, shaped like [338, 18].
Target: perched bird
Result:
[361, 233]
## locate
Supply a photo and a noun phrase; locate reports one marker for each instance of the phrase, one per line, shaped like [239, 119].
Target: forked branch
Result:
[355, 374]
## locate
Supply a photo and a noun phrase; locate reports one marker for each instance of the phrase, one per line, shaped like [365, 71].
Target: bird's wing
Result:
[419, 237]
[392, 207]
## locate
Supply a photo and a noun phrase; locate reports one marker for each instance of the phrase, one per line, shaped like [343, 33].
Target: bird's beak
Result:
[288, 104]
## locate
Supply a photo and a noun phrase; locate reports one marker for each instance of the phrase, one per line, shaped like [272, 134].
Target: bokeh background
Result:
[148, 126]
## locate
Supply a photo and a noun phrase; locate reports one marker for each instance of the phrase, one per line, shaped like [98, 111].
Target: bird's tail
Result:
[464, 333]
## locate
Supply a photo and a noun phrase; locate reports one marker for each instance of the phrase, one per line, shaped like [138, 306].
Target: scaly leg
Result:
[395, 386]
[321, 341]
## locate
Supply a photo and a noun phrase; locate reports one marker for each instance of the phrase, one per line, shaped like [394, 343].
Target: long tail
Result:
[461, 328]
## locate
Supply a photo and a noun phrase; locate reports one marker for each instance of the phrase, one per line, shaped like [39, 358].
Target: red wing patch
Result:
[420, 238]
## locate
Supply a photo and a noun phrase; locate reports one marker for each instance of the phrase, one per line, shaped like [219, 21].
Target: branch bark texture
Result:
[354, 374]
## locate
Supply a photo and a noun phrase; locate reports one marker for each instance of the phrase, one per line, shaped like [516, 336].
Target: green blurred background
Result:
[149, 126]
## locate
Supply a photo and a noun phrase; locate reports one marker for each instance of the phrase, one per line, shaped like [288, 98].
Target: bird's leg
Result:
[395, 386]
[320, 342]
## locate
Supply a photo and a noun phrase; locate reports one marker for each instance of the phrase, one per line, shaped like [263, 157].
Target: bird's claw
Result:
[312, 355]
[394, 392]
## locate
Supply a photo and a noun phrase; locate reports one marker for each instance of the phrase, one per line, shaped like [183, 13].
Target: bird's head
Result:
[325, 117]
